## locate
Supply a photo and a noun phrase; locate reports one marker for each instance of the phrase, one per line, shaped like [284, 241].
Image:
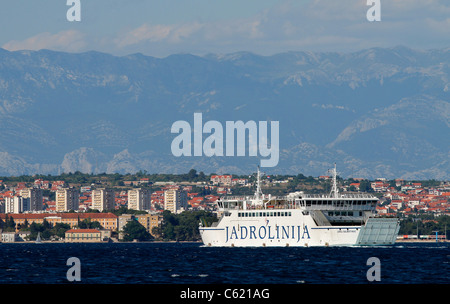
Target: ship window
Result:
[253, 214]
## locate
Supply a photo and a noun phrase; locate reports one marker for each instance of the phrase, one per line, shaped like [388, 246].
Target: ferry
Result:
[299, 219]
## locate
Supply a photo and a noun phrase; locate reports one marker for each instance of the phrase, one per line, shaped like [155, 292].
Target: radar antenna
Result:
[334, 190]
[258, 192]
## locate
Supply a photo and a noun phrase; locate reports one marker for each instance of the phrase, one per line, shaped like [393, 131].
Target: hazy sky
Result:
[163, 27]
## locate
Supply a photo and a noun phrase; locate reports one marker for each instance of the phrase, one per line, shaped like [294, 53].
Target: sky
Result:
[163, 27]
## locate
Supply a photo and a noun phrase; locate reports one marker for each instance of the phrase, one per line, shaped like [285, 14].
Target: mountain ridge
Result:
[376, 112]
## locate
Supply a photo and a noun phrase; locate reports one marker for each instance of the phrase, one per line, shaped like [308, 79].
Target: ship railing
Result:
[301, 195]
[235, 198]
[261, 207]
[265, 198]
[342, 195]
[340, 208]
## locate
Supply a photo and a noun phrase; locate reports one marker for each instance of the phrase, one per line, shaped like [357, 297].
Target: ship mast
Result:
[258, 192]
[334, 190]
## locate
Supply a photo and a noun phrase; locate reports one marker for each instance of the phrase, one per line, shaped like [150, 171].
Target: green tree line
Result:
[425, 225]
[183, 226]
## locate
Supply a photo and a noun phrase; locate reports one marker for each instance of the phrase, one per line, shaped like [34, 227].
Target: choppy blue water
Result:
[191, 263]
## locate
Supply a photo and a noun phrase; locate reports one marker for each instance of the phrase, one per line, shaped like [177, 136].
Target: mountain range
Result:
[379, 112]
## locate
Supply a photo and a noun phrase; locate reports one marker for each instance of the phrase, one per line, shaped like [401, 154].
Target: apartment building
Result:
[175, 200]
[103, 199]
[35, 198]
[67, 199]
[149, 221]
[139, 199]
[16, 204]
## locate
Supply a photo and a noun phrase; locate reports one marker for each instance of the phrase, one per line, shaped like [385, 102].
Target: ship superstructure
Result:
[300, 219]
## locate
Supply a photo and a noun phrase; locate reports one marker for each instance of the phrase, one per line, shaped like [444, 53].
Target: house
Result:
[239, 181]
[221, 179]
[82, 235]
[9, 237]
[356, 185]
[379, 186]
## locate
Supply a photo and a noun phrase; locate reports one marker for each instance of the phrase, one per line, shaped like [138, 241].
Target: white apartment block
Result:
[175, 200]
[35, 197]
[139, 199]
[16, 204]
[103, 199]
[67, 199]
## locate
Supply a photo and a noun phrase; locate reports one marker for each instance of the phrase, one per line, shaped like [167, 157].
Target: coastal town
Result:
[73, 202]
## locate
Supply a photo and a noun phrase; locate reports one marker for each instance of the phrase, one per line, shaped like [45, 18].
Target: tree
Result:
[9, 225]
[60, 229]
[192, 174]
[89, 224]
[35, 228]
[364, 186]
[133, 230]
[184, 226]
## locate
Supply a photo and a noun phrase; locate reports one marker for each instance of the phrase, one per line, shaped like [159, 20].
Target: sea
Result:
[192, 265]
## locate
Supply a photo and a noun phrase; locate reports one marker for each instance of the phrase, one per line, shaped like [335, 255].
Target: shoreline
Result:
[193, 242]
[117, 242]
[421, 241]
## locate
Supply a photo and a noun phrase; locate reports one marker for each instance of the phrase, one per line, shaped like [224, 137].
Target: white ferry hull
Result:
[295, 229]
